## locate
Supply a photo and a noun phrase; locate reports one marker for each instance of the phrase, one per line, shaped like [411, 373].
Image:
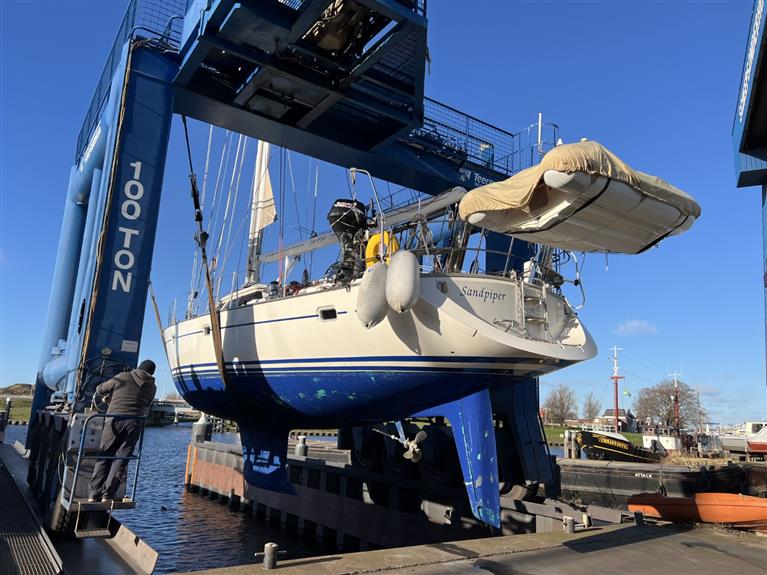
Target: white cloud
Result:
[635, 327]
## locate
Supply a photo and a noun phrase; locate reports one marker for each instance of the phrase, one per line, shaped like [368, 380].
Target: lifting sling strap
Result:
[201, 237]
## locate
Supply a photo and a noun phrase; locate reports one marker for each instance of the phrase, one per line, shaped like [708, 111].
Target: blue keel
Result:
[471, 419]
[264, 455]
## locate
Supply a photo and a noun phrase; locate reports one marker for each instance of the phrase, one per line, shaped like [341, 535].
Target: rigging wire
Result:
[231, 219]
[281, 242]
[223, 161]
[202, 238]
[220, 241]
[195, 262]
[246, 217]
[236, 190]
[314, 211]
[295, 197]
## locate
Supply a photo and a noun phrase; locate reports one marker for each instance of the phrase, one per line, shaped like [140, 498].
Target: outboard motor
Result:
[349, 221]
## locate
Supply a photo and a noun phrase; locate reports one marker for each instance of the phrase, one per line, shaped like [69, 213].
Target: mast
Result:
[700, 416]
[615, 377]
[262, 210]
[676, 399]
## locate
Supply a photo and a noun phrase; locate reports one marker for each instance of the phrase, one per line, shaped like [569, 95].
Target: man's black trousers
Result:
[118, 440]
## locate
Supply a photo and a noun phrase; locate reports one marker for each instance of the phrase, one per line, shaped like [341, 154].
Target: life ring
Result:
[373, 248]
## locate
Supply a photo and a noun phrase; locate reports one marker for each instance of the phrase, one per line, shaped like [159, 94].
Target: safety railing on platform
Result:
[81, 455]
[456, 135]
[161, 19]
[418, 6]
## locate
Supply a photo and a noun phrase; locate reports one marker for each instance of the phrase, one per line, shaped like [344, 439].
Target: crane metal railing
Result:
[459, 136]
[161, 19]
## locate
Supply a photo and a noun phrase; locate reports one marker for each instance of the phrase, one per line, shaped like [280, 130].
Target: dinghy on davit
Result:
[582, 197]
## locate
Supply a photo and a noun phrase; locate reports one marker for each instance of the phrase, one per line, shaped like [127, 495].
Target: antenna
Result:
[615, 377]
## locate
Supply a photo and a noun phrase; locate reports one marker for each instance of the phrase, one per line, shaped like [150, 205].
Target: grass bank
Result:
[20, 409]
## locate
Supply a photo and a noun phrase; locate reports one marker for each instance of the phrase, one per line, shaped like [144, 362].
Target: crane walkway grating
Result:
[24, 549]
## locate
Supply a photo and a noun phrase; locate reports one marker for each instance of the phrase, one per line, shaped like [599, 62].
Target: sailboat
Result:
[405, 323]
[396, 328]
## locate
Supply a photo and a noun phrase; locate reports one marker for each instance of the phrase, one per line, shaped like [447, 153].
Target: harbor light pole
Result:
[615, 377]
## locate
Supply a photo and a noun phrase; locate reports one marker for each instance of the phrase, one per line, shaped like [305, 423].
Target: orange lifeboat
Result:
[736, 510]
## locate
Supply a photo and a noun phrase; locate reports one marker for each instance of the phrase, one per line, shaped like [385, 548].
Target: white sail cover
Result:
[263, 210]
[582, 197]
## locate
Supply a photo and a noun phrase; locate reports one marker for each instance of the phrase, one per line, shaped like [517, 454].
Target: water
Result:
[558, 451]
[189, 531]
[15, 433]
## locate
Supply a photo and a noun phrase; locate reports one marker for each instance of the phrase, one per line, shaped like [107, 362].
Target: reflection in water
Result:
[189, 531]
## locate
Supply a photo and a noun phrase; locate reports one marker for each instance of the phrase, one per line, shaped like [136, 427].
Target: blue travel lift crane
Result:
[340, 80]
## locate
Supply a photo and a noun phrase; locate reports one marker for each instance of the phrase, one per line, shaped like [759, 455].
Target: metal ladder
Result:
[89, 510]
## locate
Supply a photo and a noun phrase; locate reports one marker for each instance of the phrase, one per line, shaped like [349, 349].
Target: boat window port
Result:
[327, 313]
[206, 330]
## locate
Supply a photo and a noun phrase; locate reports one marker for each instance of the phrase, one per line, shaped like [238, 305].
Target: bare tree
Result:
[560, 404]
[657, 403]
[592, 407]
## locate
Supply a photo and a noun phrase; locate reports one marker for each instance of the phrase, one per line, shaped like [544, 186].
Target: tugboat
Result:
[605, 445]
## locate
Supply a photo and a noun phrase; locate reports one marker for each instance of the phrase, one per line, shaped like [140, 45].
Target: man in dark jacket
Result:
[128, 393]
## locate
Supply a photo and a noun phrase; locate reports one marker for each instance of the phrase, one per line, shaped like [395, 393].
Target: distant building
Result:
[627, 421]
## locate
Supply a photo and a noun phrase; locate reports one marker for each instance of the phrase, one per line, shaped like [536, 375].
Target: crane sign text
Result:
[130, 209]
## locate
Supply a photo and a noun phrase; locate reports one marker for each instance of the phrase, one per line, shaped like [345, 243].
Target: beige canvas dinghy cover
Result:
[582, 197]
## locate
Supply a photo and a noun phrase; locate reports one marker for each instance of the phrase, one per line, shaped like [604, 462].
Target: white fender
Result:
[371, 299]
[403, 281]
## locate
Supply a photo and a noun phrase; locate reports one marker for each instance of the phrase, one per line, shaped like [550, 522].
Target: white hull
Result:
[463, 328]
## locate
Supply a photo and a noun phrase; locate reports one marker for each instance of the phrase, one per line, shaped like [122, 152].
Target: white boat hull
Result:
[311, 355]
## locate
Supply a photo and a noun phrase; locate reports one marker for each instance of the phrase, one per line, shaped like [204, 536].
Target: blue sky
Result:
[656, 82]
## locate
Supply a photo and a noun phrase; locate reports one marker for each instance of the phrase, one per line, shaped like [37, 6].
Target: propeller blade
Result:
[419, 437]
[408, 454]
[417, 455]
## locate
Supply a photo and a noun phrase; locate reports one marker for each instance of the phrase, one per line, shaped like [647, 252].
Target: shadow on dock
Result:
[628, 535]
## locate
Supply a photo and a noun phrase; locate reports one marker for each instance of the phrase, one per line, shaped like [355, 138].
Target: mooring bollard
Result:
[202, 430]
[271, 551]
[301, 448]
[568, 525]
[638, 517]
[571, 447]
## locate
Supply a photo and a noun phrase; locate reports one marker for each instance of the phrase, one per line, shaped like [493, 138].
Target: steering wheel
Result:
[99, 403]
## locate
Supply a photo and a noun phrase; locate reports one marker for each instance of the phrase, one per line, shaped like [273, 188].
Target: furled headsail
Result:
[582, 197]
